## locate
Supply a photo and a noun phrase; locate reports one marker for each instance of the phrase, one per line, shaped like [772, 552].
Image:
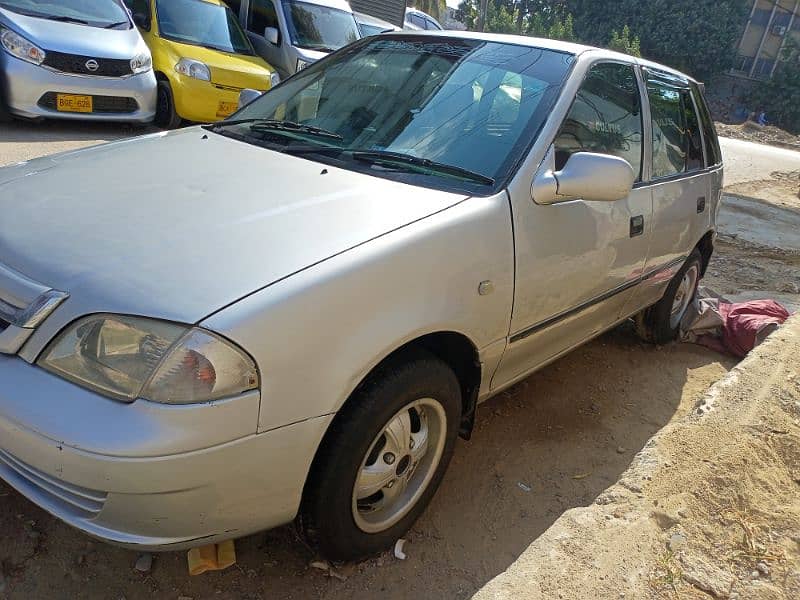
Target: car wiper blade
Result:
[398, 158]
[117, 24]
[66, 19]
[257, 125]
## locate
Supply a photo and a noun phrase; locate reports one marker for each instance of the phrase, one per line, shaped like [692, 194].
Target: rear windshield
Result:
[469, 104]
[109, 14]
[201, 23]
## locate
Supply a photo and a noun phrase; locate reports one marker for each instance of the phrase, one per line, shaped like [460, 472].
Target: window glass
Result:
[107, 15]
[669, 143]
[234, 5]
[202, 24]
[694, 149]
[469, 104]
[319, 27]
[713, 154]
[262, 15]
[606, 117]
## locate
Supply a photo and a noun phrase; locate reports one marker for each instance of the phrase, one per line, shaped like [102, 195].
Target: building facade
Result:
[771, 23]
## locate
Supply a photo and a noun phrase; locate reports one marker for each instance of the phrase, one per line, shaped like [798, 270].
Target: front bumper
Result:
[200, 101]
[113, 471]
[26, 87]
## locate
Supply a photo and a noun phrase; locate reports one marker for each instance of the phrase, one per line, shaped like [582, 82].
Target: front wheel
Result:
[166, 117]
[661, 322]
[383, 459]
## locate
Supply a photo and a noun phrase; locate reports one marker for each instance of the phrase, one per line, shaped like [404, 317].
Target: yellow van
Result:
[202, 58]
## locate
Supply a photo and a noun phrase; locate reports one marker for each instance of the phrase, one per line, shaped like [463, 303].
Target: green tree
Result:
[625, 42]
[435, 8]
[779, 97]
[697, 36]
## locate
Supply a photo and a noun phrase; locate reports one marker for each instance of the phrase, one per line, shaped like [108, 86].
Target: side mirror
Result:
[271, 35]
[588, 176]
[247, 96]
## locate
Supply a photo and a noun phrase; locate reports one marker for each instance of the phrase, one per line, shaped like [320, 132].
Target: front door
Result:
[578, 261]
[257, 16]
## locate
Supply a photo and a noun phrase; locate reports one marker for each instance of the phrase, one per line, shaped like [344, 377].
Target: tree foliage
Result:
[625, 42]
[696, 36]
[435, 8]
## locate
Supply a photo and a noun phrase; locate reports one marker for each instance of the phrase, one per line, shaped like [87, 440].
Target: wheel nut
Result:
[411, 443]
[388, 458]
[390, 484]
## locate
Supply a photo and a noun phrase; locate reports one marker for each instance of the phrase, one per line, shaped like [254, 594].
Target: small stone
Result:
[621, 450]
[754, 575]
[676, 542]
[81, 560]
[763, 568]
[144, 563]
[185, 598]
[706, 576]
[683, 513]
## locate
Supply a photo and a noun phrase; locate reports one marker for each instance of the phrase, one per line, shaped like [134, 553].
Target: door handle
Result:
[701, 204]
[637, 225]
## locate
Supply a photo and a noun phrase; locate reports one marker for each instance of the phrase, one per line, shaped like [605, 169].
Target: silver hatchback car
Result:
[295, 312]
[74, 59]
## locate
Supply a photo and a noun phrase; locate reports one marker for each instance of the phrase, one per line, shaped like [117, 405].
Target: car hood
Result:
[179, 225]
[73, 38]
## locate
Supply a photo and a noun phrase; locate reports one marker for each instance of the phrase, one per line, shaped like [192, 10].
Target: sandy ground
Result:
[552, 443]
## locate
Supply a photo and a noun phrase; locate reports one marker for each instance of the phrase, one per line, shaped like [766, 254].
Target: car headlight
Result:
[135, 357]
[193, 68]
[274, 79]
[141, 63]
[302, 64]
[18, 46]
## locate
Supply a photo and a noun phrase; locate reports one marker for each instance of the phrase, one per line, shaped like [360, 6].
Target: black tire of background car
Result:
[166, 117]
[325, 519]
[653, 324]
[5, 114]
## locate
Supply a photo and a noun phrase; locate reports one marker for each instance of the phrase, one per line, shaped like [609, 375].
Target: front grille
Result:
[100, 104]
[76, 65]
[80, 501]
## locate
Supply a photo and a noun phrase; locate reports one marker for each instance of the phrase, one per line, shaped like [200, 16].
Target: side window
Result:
[234, 5]
[140, 11]
[606, 117]
[677, 144]
[261, 15]
[713, 154]
[694, 149]
[669, 144]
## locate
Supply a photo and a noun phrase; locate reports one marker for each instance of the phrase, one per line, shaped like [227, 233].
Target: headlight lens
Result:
[193, 68]
[274, 79]
[141, 63]
[18, 46]
[133, 357]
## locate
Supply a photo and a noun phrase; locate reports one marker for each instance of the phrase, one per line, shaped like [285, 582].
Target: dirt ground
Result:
[552, 443]
[762, 134]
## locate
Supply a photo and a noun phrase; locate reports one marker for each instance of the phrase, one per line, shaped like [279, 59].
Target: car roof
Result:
[545, 43]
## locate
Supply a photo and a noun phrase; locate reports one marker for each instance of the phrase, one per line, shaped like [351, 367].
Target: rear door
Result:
[577, 262]
[679, 181]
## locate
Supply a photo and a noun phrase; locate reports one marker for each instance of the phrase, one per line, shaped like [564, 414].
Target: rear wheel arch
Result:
[706, 248]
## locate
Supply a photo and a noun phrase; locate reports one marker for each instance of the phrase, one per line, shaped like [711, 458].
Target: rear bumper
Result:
[164, 501]
[25, 85]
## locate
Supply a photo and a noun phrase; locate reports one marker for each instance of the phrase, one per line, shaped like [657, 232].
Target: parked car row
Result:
[166, 61]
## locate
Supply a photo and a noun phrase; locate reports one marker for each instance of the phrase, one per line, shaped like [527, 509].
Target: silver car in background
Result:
[74, 59]
[294, 312]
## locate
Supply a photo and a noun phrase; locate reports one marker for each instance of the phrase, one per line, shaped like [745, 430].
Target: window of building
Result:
[606, 117]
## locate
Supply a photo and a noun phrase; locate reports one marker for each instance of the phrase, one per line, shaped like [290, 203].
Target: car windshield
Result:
[317, 27]
[370, 29]
[202, 23]
[84, 12]
[472, 106]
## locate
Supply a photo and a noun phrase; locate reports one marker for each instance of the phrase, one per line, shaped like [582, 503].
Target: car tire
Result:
[416, 396]
[5, 113]
[661, 322]
[166, 117]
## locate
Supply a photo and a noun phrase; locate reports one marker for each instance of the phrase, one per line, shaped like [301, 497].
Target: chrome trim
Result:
[88, 75]
[37, 311]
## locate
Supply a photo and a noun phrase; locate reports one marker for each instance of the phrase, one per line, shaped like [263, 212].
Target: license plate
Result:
[72, 103]
[226, 109]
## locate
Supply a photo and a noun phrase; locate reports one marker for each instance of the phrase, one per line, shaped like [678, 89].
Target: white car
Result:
[292, 314]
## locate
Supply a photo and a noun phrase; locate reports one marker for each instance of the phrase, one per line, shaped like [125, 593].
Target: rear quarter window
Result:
[710, 139]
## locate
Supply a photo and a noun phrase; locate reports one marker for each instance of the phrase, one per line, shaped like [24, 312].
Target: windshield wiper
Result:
[117, 24]
[385, 157]
[66, 19]
[257, 125]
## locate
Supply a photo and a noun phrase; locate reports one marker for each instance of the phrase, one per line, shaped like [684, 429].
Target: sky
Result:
[453, 3]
